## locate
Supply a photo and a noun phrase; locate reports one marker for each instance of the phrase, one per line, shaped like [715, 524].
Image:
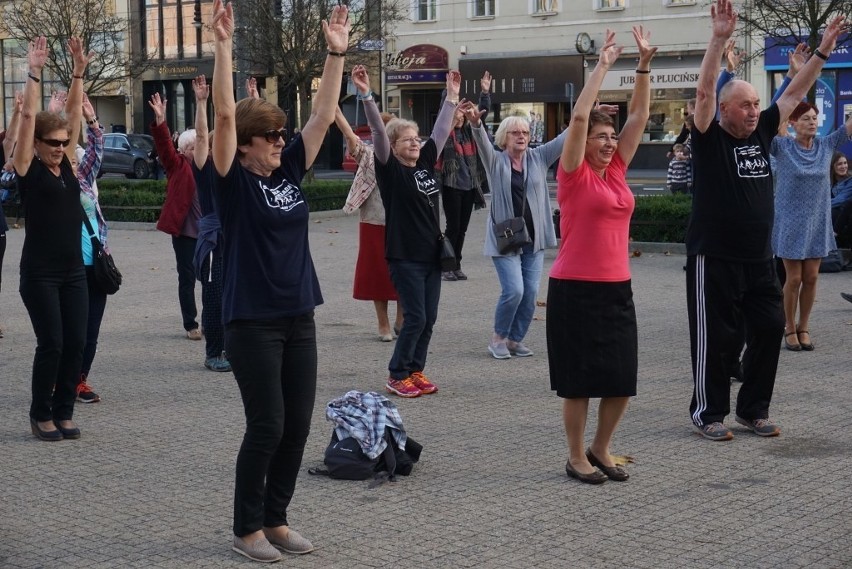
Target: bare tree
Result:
[789, 22]
[284, 38]
[94, 21]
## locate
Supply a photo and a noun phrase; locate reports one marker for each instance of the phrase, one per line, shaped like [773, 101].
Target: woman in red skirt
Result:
[372, 279]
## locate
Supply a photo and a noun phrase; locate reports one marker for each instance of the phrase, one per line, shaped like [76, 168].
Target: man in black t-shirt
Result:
[731, 277]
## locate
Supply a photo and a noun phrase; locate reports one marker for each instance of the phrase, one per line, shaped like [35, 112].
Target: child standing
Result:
[679, 178]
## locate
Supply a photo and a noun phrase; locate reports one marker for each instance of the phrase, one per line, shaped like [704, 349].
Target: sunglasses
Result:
[272, 136]
[56, 143]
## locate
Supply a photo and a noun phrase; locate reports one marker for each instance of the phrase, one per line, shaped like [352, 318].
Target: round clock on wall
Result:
[583, 43]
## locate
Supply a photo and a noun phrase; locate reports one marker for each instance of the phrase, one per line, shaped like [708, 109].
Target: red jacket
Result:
[180, 188]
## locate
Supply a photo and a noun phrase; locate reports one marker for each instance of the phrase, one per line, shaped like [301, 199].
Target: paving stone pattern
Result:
[150, 482]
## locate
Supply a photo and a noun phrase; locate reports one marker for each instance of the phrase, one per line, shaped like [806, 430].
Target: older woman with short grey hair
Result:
[517, 177]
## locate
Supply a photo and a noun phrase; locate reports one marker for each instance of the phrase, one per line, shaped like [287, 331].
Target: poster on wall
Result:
[825, 103]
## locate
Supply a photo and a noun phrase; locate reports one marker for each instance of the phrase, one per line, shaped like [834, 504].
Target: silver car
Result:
[129, 154]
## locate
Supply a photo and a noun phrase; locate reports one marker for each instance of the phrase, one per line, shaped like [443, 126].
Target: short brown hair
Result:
[46, 122]
[801, 109]
[599, 118]
[395, 127]
[253, 117]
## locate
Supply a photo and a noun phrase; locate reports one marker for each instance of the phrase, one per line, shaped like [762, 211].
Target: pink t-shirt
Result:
[594, 223]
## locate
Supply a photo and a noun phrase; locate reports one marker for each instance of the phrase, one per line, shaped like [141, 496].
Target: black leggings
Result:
[458, 206]
[275, 365]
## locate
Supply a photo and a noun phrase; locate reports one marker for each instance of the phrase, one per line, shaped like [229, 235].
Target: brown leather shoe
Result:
[615, 473]
[596, 477]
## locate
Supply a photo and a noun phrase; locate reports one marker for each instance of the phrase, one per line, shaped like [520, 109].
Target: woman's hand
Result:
[200, 88]
[723, 19]
[485, 82]
[57, 102]
[453, 85]
[222, 22]
[829, 38]
[646, 50]
[37, 55]
[336, 30]
[88, 108]
[471, 112]
[159, 107]
[797, 59]
[81, 59]
[609, 52]
[361, 79]
[733, 57]
[251, 88]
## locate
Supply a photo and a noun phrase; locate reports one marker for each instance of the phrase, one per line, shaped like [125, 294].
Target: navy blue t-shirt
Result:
[268, 272]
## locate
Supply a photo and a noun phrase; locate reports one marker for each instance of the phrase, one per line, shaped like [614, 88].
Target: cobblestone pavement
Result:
[150, 482]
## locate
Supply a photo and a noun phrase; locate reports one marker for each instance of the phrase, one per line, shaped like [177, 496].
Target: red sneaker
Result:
[402, 387]
[422, 383]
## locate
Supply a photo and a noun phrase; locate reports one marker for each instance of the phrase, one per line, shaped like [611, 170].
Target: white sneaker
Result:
[499, 350]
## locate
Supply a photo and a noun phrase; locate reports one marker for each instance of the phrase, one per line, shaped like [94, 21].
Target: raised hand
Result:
[200, 88]
[609, 52]
[336, 30]
[158, 105]
[837, 26]
[361, 79]
[798, 57]
[222, 22]
[471, 112]
[723, 18]
[485, 82]
[453, 85]
[57, 102]
[37, 54]
[646, 50]
[251, 88]
[80, 58]
[607, 109]
[88, 108]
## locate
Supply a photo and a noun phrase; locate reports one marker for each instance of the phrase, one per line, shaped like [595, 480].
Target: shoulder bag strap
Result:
[92, 234]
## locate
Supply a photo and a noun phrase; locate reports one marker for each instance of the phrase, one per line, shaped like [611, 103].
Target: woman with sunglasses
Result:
[591, 320]
[270, 285]
[53, 279]
[405, 173]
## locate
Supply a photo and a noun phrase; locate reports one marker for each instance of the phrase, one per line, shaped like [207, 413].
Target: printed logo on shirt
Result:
[286, 196]
[425, 182]
[751, 163]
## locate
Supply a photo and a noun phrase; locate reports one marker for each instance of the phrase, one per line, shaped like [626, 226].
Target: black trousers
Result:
[275, 365]
[211, 305]
[58, 305]
[458, 206]
[184, 251]
[97, 305]
[722, 298]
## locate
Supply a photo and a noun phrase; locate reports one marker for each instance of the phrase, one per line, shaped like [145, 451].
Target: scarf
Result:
[459, 146]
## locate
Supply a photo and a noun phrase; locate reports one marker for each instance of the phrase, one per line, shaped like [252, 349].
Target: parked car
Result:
[362, 132]
[129, 154]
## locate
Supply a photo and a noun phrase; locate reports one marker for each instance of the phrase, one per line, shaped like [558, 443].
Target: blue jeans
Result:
[520, 276]
[419, 288]
[97, 305]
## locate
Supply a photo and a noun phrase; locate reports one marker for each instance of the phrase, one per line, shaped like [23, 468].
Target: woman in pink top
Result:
[591, 322]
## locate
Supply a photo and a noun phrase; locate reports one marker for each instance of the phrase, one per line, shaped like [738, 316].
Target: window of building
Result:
[611, 4]
[482, 8]
[173, 29]
[425, 10]
[544, 6]
[679, 2]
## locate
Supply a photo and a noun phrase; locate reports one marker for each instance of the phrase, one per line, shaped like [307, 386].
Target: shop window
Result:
[482, 8]
[611, 4]
[544, 7]
[425, 10]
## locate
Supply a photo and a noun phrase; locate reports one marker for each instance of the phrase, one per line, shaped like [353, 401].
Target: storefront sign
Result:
[673, 78]
[542, 79]
[169, 71]
[416, 77]
[423, 56]
[777, 50]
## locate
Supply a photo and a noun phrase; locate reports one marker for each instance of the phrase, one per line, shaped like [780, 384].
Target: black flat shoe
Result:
[808, 347]
[72, 433]
[615, 473]
[792, 347]
[44, 435]
[596, 477]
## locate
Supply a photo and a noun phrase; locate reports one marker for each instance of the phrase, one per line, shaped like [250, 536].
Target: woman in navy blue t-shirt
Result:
[270, 286]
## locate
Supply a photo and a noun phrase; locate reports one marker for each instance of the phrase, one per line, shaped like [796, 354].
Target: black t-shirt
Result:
[267, 268]
[410, 197]
[54, 217]
[733, 203]
[205, 180]
[520, 203]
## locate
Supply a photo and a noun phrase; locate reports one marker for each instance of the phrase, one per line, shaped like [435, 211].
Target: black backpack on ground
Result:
[344, 459]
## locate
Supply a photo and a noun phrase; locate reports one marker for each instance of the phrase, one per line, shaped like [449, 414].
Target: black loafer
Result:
[72, 433]
[596, 477]
[44, 435]
[615, 473]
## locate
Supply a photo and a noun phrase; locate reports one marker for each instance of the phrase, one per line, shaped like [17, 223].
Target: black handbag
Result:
[512, 233]
[448, 253]
[107, 275]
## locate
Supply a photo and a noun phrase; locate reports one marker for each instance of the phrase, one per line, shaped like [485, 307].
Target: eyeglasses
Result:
[603, 138]
[409, 139]
[56, 143]
[272, 136]
[518, 132]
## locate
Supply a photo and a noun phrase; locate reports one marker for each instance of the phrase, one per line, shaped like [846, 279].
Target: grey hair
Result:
[396, 126]
[186, 138]
[507, 124]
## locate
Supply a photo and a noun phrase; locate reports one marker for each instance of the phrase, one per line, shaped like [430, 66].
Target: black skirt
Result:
[591, 339]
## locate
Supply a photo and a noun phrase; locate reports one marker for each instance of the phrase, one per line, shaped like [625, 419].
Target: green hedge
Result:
[661, 219]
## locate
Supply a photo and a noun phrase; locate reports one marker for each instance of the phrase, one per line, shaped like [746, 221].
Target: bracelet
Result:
[93, 121]
[33, 77]
[643, 71]
[77, 76]
[820, 55]
[367, 97]
[337, 53]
